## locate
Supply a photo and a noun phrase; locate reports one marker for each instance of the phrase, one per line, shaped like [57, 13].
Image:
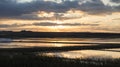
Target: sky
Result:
[60, 15]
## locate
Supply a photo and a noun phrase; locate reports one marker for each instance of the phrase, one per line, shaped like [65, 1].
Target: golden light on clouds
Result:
[107, 23]
[45, 14]
[61, 16]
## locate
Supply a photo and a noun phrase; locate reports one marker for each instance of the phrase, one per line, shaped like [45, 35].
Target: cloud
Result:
[15, 25]
[116, 1]
[95, 7]
[55, 16]
[63, 24]
[12, 25]
[116, 19]
[12, 9]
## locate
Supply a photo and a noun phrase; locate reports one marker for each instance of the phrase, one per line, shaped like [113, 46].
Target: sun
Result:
[58, 22]
[59, 25]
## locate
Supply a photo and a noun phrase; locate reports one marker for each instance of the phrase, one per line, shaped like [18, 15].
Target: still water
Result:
[64, 42]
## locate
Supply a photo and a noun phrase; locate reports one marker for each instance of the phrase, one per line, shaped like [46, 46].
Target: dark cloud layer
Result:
[10, 8]
[63, 24]
[12, 25]
[95, 7]
[116, 1]
[45, 24]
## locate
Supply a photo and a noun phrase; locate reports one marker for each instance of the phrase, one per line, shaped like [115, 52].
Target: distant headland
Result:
[30, 34]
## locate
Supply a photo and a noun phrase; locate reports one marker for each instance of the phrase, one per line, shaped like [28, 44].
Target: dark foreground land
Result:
[34, 57]
[30, 34]
[35, 60]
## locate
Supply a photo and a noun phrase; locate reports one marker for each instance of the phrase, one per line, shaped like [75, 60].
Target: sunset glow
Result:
[54, 17]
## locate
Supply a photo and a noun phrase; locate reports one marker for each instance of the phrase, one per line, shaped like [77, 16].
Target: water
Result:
[69, 42]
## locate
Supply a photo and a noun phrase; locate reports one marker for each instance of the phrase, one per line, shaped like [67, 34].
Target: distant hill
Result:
[30, 34]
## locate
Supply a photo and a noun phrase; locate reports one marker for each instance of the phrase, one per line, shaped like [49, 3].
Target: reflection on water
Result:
[96, 54]
[61, 42]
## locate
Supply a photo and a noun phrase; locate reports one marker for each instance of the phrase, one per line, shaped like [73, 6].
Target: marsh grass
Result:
[34, 60]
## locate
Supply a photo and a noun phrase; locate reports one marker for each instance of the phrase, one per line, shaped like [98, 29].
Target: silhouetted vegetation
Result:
[35, 60]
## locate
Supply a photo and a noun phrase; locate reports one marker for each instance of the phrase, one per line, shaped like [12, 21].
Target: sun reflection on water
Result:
[93, 54]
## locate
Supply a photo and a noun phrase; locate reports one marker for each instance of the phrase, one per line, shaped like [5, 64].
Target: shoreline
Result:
[60, 49]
